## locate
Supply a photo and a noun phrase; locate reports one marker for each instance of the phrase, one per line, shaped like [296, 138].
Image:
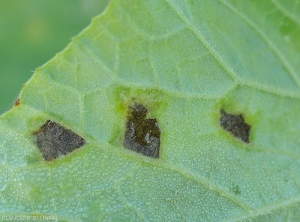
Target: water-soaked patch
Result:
[236, 125]
[235, 189]
[142, 135]
[54, 140]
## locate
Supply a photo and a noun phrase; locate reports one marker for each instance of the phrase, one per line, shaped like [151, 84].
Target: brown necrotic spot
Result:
[142, 135]
[17, 102]
[54, 140]
[236, 125]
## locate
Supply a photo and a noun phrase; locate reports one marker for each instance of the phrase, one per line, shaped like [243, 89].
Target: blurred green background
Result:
[32, 32]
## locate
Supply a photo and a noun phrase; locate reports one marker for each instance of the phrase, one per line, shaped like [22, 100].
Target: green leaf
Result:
[185, 61]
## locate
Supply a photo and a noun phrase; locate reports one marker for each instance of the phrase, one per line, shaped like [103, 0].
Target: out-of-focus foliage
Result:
[31, 32]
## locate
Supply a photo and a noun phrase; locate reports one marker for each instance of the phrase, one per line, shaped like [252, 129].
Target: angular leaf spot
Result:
[142, 135]
[54, 140]
[236, 125]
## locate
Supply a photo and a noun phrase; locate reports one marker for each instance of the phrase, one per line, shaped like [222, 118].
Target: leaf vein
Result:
[285, 63]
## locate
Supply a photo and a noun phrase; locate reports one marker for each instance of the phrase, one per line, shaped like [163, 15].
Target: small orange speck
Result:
[17, 103]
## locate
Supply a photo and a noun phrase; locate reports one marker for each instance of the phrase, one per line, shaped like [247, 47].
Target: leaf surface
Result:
[185, 61]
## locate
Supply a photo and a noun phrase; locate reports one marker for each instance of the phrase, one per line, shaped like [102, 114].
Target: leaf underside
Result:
[185, 61]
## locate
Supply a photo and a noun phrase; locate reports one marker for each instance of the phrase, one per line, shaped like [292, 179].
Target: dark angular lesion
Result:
[142, 135]
[53, 140]
[235, 124]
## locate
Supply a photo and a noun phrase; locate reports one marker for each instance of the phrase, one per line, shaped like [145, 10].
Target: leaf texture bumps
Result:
[185, 61]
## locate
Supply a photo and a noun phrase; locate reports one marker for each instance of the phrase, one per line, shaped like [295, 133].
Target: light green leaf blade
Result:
[185, 61]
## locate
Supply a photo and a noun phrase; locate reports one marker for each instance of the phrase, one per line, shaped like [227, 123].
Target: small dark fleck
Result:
[236, 125]
[235, 189]
[17, 103]
[142, 135]
[54, 140]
